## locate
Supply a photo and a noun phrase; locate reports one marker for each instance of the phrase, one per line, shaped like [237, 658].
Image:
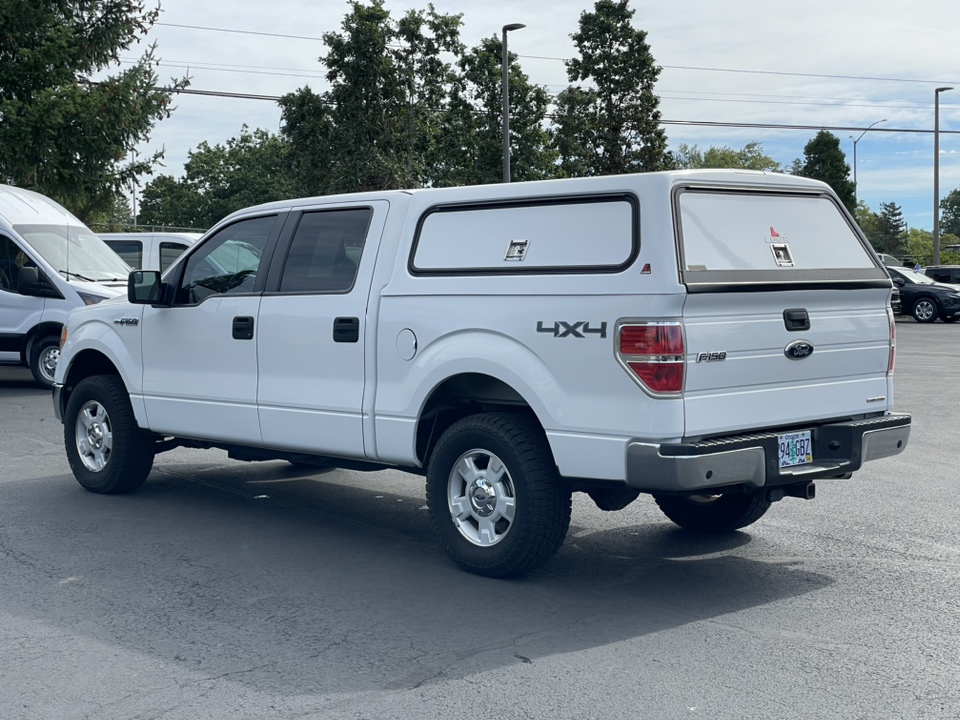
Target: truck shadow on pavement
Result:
[285, 582]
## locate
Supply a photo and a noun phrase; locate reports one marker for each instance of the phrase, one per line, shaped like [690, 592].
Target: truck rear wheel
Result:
[108, 452]
[494, 496]
[711, 514]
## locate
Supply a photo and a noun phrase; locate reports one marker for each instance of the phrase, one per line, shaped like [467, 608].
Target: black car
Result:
[943, 273]
[924, 298]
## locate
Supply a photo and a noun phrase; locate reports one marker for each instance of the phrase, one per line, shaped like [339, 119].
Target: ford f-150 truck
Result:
[718, 339]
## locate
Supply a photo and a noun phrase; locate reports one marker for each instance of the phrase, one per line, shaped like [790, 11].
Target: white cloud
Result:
[851, 38]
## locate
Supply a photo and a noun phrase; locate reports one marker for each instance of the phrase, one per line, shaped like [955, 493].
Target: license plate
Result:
[795, 448]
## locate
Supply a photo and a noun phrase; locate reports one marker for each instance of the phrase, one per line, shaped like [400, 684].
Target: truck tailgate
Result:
[740, 374]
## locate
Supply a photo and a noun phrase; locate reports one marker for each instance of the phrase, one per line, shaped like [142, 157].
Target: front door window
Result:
[227, 263]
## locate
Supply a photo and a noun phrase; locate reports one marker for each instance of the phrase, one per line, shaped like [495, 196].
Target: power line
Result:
[799, 74]
[239, 32]
[668, 94]
[702, 123]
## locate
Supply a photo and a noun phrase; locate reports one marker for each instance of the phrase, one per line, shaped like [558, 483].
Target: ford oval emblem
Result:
[798, 350]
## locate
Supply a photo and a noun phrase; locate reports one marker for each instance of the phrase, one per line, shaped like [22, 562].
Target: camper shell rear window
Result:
[740, 240]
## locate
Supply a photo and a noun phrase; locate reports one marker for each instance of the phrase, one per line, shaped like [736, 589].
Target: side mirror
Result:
[899, 281]
[143, 287]
[28, 281]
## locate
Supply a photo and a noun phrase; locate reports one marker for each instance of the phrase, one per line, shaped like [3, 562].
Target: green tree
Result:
[751, 157]
[469, 149]
[61, 133]
[824, 160]
[890, 230]
[612, 125]
[950, 217]
[920, 245]
[868, 222]
[219, 179]
[377, 124]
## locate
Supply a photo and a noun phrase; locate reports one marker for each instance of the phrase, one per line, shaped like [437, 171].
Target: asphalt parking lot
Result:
[255, 590]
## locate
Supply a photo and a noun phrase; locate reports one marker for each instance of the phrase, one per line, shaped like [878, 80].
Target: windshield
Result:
[914, 277]
[75, 252]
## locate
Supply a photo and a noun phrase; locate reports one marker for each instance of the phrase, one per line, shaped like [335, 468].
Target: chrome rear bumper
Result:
[751, 459]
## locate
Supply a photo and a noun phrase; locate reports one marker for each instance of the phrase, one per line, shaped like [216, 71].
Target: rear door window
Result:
[325, 252]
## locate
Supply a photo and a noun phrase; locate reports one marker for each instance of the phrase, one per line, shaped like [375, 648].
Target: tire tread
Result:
[547, 505]
[131, 458]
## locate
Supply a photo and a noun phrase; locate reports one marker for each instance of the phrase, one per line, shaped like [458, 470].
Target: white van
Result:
[149, 251]
[50, 263]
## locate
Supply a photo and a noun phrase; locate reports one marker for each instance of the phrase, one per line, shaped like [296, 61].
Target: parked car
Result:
[949, 274]
[50, 263]
[149, 251]
[889, 260]
[924, 298]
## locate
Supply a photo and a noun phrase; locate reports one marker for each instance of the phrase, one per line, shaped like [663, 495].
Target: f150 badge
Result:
[579, 329]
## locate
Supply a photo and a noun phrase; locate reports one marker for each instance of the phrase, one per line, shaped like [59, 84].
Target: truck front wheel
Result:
[494, 496]
[711, 514]
[43, 359]
[108, 451]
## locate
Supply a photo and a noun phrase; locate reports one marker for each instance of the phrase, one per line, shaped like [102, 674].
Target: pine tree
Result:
[890, 230]
[824, 160]
[469, 148]
[611, 125]
[61, 133]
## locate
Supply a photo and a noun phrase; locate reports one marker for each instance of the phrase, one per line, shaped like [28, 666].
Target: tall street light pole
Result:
[936, 173]
[505, 91]
[855, 199]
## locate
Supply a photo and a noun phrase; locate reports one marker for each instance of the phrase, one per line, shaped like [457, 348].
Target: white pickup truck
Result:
[717, 339]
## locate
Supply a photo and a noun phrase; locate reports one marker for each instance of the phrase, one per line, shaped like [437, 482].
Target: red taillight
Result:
[653, 353]
[651, 340]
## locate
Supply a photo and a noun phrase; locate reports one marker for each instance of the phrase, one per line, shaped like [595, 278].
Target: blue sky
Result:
[820, 63]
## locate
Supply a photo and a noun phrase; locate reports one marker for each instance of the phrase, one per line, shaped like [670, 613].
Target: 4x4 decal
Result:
[579, 329]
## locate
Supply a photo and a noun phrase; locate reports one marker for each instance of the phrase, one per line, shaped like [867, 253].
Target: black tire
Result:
[925, 310]
[127, 458]
[709, 515]
[43, 359]
[529, 481]
[950, 318]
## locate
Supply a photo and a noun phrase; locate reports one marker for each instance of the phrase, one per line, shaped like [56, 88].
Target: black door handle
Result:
[243, 328]
[796, 320]
[346, 329]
